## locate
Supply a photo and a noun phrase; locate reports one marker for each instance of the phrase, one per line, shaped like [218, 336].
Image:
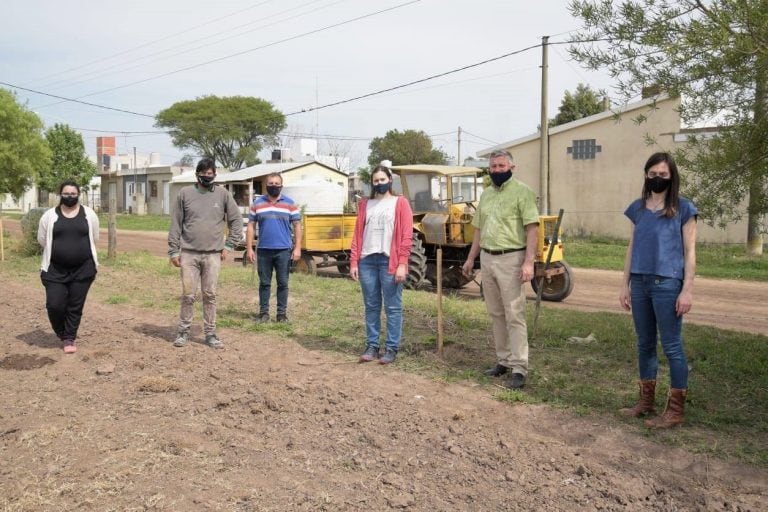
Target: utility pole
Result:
[544, 150]
[135, 191]
[458, 151]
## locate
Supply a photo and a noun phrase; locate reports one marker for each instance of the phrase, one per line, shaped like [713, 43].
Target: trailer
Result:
[328, 238]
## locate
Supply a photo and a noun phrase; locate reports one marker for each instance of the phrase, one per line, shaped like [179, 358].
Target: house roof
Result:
[575, 124]
[255, 171]
[449, 170]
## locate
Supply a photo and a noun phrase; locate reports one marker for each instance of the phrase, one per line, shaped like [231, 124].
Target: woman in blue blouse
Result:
[658, 284]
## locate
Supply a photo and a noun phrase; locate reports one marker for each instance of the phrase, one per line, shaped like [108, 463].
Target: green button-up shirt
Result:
[503, 213]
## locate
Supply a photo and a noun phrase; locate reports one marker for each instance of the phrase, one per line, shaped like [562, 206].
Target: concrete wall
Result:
[595, 192]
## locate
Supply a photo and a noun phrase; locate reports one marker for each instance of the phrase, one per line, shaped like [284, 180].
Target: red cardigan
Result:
[402, 236]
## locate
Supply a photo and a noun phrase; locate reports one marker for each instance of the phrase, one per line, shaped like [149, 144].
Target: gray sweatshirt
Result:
[199, 218]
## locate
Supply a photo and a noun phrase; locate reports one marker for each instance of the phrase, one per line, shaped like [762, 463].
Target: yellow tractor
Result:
[443, 199]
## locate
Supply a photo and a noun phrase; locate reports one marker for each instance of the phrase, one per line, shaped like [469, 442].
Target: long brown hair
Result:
[671, 200]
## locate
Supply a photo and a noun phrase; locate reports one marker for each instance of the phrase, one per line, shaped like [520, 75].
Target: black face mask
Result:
[205, 181]
[658, 184]
[382, 188]
[499, 178]
[274, 190]
[69, 201]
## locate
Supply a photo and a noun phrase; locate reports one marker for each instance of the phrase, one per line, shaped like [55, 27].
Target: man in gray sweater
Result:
[197, 245]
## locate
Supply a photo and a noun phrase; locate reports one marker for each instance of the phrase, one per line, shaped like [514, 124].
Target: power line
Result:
[243, 52]
[123, 67]
[414, 82]
[479, 137]
[75, 100]
[207, 23]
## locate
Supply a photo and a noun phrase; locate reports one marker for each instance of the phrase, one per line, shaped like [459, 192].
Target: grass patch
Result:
[138, 222]
[712, 260]
[727, 410]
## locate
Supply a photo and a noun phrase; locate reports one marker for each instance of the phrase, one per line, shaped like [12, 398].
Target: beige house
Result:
[596, 167]
[249, 181]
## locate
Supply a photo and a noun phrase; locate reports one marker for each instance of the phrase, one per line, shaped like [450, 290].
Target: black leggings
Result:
[65, 302]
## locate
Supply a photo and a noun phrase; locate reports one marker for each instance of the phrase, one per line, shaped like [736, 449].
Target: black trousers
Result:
[65, 302]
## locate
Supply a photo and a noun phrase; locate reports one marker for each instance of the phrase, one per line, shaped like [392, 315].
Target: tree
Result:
[404, 148]
[713, 55]
[231, 130]
[584, 102]
[23, 151]
[69, 159]
[186, 160]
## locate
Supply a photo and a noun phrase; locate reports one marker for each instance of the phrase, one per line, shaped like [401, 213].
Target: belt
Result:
[503, 251]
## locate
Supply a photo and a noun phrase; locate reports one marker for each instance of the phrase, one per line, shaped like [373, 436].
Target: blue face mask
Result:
[382, 188]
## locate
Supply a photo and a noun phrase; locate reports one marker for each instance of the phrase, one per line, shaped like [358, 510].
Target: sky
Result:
[142, 56]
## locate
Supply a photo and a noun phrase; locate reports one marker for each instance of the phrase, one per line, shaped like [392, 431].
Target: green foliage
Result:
[23, 151]
[28, 245]
[583, 102]
[365, 174]
[231, 129]
[714, 55]
[405, 148]
[70, 160]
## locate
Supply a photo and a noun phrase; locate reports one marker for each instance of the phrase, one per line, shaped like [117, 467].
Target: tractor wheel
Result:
[417, 264]
[558, 287]
[452, 277]
[306, 265]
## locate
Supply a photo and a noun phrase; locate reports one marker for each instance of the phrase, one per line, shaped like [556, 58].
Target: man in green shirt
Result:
[506, 229]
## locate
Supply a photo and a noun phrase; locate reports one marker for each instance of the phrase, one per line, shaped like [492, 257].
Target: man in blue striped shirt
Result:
[275, 215]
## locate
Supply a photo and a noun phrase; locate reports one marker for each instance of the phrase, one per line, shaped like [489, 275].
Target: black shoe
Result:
[263, 318]
[389, 356]
[281, 317]
[496, 371]
[516, 381]
[370, 354]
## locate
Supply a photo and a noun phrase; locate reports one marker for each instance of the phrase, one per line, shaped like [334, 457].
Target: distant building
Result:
[245, 183]
[596, 167]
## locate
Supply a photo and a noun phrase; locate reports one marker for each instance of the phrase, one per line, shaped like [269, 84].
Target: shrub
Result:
[28, 245]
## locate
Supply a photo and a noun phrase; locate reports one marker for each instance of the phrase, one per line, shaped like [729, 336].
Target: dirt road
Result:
[727, 304]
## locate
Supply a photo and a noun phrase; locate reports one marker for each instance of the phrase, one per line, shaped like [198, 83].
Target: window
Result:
[152, 189]
[124, 167]
[584, 149]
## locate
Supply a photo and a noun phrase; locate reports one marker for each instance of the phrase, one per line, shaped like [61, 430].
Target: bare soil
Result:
[131, 423]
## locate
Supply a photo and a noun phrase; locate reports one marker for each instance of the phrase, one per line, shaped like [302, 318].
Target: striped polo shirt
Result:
[274, 220]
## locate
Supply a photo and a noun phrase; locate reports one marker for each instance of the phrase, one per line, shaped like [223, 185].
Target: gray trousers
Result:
[199, 270]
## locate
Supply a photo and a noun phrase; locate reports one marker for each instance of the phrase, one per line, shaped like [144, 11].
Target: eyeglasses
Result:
[654, 174]
[69, 195]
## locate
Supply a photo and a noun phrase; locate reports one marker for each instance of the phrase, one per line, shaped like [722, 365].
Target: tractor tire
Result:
[306, 265]
[558, 287]
[453, 277]
[417, 264]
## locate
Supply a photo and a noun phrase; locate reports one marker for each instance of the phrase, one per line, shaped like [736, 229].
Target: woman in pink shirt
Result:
[381, 246]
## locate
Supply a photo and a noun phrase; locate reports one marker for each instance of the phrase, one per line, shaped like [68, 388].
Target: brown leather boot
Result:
[645, 404]
[673, 414]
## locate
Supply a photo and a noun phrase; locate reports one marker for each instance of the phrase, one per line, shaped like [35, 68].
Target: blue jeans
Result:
[377, 283]
[280, 261]
[653, 308]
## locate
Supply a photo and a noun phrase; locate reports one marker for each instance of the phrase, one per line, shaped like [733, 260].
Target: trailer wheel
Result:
[558, 287]
[343, 267]
[306, 265]
[417, 264]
